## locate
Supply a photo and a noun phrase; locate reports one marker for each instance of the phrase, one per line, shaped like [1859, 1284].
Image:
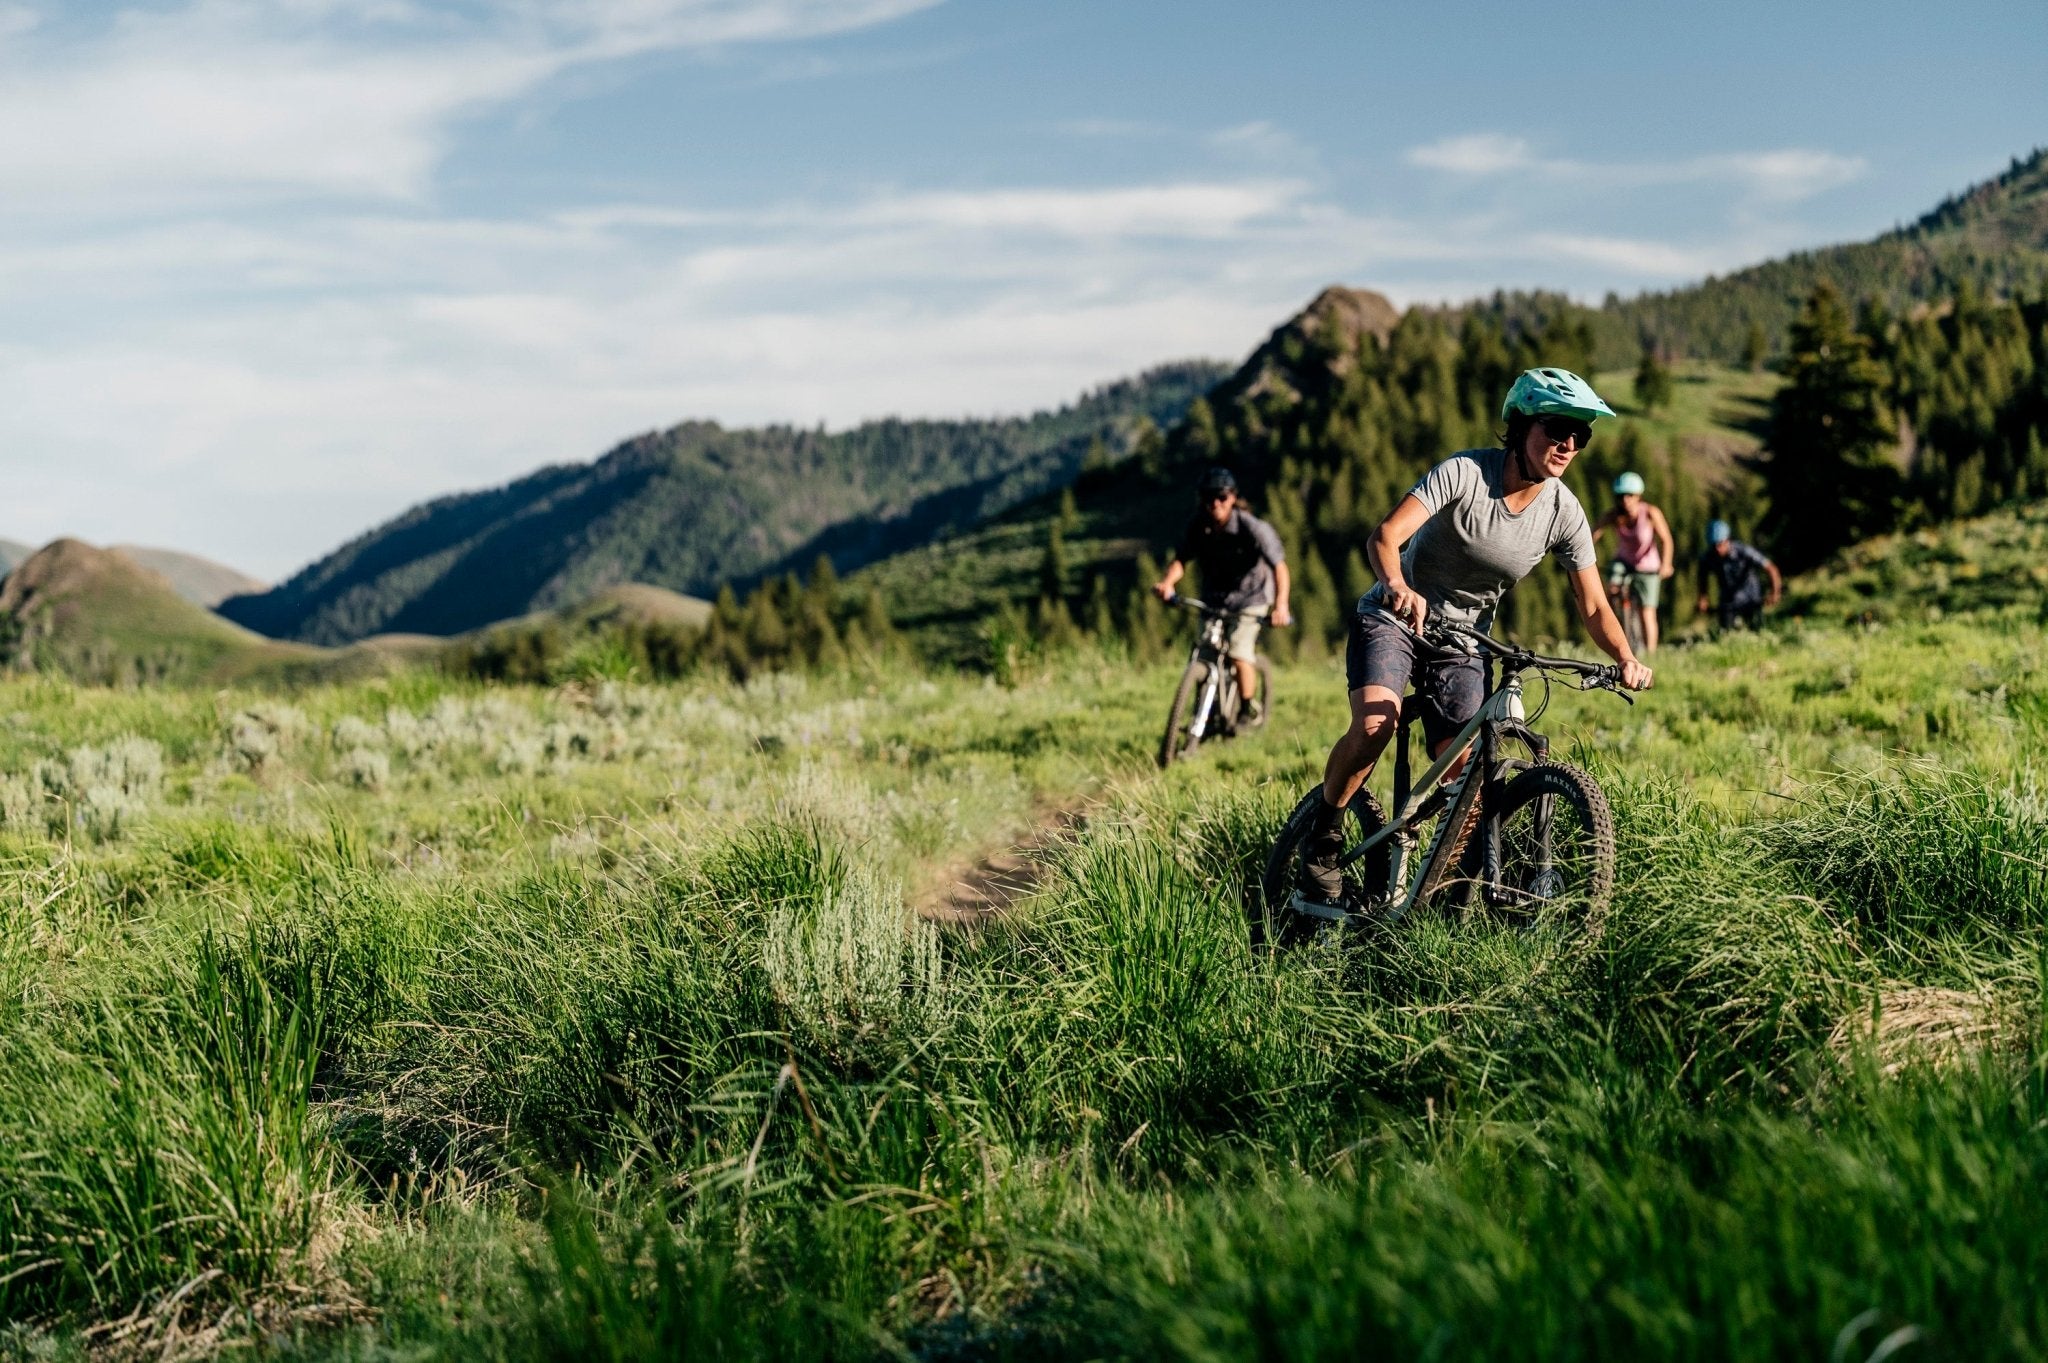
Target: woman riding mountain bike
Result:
[1643, 559]
[1472, 527]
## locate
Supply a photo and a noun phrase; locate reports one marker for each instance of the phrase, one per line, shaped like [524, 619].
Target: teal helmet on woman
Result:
[1547, 392]
[1629, 484]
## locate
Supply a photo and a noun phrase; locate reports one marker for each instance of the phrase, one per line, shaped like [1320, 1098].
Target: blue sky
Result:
[275, 271]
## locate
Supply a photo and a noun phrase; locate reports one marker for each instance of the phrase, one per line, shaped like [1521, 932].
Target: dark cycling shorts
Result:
[1743, 615]
[1449, 687]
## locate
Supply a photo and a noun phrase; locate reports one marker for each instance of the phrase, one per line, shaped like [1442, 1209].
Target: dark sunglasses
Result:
[1558, 429]
[1222, 496]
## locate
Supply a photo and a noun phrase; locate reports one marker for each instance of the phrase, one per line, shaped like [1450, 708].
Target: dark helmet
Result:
[1219, 479]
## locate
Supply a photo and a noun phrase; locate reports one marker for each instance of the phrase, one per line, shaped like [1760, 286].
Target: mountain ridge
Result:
[697, 505]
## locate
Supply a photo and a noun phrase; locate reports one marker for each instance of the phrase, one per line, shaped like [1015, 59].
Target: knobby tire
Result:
[1555, 835]
[1270, 920]
[1171, 746]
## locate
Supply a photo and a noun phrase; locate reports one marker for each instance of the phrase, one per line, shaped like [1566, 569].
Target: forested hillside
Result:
[696, 506]
[1889, 385]
[1990, 240]
[1326, 425]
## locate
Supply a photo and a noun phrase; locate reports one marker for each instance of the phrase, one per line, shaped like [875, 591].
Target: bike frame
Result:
[1502, 707]
[1209, 646]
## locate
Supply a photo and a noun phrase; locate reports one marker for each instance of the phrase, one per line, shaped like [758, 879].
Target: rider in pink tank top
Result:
[1642, 556]
[1636, 540]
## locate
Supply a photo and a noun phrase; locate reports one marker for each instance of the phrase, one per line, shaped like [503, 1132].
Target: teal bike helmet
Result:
[1717, 531]
[1544, 392]
[1628, 483]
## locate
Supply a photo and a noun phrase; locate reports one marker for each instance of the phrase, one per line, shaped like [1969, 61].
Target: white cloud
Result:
[1784, 175]
[1473, 154]
[1626, 256]
[1788, 175]
[1206, 209]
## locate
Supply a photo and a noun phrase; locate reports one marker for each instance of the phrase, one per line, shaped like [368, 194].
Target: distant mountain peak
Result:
[1339, 316]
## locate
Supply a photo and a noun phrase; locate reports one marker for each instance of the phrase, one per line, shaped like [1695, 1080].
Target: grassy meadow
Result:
[415, 1019]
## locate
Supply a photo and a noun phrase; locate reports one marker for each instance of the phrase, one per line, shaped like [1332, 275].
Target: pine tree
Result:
[1052, 566]
[1830, 476]
[1653, 381]
[1101, 619]
[876, 628]
[1755, 346]
[1070, 514]
[824, 584]
[767, 636]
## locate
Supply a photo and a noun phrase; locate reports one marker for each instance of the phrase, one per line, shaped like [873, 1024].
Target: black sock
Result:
[1329, 819]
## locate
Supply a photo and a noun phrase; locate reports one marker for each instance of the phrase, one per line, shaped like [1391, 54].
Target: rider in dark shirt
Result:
[1242, 568]
[1742, 571]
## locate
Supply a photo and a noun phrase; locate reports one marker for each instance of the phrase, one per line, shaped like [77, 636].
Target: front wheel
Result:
[1178, 742]
[1271, 920]
[1552, 837]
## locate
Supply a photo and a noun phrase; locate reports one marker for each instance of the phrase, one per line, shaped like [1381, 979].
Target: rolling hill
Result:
[98, 615]
[199, 580]
[698, 505]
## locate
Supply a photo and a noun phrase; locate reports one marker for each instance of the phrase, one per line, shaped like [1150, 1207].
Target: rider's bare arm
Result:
[1282, 582]
[1667, 555]
[1591, 595]
[1163, 588]
[1383, 556]
[1777, 583]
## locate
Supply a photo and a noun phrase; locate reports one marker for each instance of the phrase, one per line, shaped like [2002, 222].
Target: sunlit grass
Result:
[418, 1019]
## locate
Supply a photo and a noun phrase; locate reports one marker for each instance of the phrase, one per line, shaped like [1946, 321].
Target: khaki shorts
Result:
[1648, 586]
[1242, 642]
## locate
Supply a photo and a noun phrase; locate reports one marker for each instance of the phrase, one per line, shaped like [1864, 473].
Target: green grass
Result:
[416, 1019]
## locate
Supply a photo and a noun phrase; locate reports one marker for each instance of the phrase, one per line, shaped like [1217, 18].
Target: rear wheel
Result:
[1177, 742]
[1272, 921]
[1555, 835]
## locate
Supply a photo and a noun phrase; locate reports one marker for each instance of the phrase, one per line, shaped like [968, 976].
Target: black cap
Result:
[1219, 479]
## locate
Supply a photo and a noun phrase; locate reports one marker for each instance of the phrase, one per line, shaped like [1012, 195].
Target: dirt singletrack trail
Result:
[973, 892]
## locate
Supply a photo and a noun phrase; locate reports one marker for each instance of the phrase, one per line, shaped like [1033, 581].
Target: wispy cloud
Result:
[1784, 175]
[230, 98]
[1474, 154]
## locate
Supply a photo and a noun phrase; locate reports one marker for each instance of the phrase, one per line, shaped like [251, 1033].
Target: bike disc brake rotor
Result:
[1545, 858]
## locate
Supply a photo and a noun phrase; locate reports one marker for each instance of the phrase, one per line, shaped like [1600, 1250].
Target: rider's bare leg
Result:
[1375, 711]
[1247, 680]
[1649, 619]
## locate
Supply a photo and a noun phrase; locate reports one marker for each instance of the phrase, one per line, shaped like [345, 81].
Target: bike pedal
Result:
[1319, 909]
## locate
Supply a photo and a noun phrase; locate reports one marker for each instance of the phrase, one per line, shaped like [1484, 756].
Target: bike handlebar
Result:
[1593, 676]
[1210, 612]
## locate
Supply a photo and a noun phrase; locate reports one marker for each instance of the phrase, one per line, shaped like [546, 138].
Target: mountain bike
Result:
[1626, 604]
[1206, 702]
[1533, 836]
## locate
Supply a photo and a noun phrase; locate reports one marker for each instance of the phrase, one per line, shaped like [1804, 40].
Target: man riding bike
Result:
[1473, 526]
[1242, 568]
[1742, 570]
[1643, 556]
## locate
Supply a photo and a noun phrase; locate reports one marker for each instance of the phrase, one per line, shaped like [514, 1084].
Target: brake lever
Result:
[1609, 682]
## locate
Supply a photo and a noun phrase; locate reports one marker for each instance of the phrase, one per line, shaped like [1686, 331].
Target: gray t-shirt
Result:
[1472, 548]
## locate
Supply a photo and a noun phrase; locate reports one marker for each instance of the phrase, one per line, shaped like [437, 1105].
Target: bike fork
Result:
[1200, 723]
